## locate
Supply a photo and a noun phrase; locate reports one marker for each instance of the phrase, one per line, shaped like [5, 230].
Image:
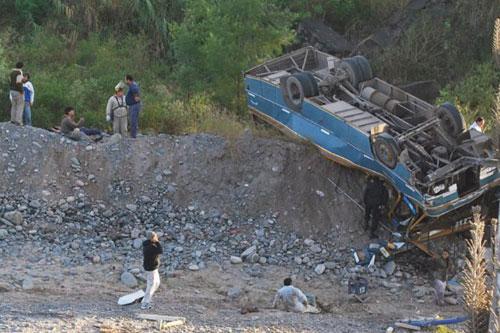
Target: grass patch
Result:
[475, 95]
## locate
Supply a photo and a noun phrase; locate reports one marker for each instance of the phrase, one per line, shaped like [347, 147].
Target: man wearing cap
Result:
[151, 249]
[117, 112]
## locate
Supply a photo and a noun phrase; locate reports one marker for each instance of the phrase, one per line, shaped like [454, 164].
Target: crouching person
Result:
[291, 298]
[443, 271]
[117, 112]
[151, 249]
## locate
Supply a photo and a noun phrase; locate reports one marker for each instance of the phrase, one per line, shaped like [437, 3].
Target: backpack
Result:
[112, 115]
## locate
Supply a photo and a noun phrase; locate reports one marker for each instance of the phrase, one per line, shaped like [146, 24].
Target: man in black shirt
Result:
[375, 198]
[151, 248]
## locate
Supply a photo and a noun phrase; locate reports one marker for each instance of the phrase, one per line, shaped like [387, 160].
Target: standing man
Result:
[116, 111]
[151, 249]
[375, 198]
[16, 94]
[478, 124]
[133, 100]
[29, 98]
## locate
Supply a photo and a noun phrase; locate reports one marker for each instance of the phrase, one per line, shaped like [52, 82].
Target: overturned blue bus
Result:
[436, 166]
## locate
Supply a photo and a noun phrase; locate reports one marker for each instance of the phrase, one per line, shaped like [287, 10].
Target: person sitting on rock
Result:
[151, 249]
[291, 298]
[117, 112]
[478, 124]
[443, 271]
[73, 130]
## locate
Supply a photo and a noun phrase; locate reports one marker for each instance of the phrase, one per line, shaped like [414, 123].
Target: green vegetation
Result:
[83, 76]
[452, 47]
[218, 39]
[188, 55]
[475, 95]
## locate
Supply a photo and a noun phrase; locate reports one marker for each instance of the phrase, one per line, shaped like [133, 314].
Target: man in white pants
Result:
[291, 298]
[17, 94]
[117, 112]
[151, 248]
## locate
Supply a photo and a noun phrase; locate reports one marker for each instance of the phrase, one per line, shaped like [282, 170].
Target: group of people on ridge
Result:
[22, 96]
[119, 109]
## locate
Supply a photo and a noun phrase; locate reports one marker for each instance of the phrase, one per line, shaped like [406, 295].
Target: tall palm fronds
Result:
[152, 17]
[494, 318]
[86, 13]
[495, 45]
[477, 298]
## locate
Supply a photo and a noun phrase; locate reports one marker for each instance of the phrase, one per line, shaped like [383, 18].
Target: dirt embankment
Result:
[247, 177]
[73, 218]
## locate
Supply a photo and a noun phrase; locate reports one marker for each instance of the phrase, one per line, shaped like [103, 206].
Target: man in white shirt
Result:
[29, 99]
[478, 125]
[292, 299]
[117, 112]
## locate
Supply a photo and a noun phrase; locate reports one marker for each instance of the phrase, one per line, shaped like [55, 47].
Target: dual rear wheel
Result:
[298, 86]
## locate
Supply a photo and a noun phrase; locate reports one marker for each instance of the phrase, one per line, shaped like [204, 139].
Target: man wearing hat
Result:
[117, 112]
[151, 248]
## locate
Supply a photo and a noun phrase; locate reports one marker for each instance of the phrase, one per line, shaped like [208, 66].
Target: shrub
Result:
[419, 55]
[475, 95]
[196, 114]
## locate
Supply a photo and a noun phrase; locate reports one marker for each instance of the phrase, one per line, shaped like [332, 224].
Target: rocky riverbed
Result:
[235, 218]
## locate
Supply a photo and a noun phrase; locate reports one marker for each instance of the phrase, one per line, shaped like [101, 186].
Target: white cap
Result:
[119, 86]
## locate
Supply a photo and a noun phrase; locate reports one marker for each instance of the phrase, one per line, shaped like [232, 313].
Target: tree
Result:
[218, 39]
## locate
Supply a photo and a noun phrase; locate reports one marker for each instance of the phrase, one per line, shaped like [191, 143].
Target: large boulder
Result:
[15, 217]
[129, 279]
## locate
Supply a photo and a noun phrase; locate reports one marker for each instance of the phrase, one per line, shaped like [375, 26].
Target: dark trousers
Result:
[90, 131]
[134, 111]
[374, 213]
